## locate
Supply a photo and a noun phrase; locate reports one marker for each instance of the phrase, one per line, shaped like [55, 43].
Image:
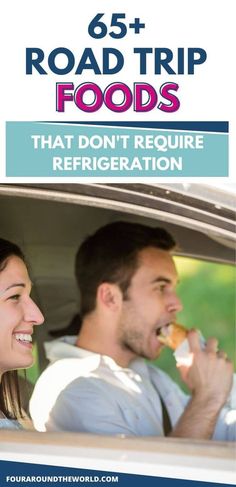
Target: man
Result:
[99, 381]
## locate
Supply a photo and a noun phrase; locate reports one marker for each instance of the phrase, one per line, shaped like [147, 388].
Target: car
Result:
[49, 221]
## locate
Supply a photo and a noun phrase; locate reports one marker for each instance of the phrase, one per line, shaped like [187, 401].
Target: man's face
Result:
[151, 303]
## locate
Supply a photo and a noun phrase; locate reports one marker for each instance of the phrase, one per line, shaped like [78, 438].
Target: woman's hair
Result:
[10, 400]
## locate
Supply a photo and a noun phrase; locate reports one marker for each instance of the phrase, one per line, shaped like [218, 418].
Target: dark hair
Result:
[10, 400]
[111, 255]
[7, 249]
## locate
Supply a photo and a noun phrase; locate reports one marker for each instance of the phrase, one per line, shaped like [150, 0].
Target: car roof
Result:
[201, 218]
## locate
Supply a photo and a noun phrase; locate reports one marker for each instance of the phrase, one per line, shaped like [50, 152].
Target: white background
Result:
[47, 24]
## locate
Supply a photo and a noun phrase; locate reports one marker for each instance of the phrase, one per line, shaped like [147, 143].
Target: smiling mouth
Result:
[23, 337]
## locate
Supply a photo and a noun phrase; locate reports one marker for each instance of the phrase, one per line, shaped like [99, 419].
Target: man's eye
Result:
[161, 288]
[14, 297]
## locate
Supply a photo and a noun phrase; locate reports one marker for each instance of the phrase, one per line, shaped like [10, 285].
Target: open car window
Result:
[49, 221]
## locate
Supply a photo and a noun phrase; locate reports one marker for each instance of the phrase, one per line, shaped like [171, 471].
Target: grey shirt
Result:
[87, 392]
[10, 424]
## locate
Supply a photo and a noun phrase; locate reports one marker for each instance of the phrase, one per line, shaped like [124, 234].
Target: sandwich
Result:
[172, 335]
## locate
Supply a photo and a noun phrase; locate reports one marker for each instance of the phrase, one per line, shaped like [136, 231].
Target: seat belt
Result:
[166, 418]
[167, 426]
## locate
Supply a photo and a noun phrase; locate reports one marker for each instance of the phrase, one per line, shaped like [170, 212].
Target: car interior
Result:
[49, 221]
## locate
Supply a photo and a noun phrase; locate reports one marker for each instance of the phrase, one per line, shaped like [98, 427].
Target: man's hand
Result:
[211, 374]
[209, 378]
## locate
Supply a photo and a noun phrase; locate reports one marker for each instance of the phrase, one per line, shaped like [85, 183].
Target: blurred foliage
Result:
[208, 294]
[32, 373]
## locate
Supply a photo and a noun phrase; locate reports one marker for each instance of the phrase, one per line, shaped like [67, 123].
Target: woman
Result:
[18, 315]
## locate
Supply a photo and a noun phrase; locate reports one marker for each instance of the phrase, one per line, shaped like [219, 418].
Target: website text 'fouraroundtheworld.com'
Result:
[61, 479]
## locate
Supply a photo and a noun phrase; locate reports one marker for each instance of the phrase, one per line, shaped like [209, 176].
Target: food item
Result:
[172, 335]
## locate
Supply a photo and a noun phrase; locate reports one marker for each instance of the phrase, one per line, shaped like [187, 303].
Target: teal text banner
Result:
[43, 149]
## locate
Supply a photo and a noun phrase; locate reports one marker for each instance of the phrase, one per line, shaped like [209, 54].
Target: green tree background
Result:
[208, 294]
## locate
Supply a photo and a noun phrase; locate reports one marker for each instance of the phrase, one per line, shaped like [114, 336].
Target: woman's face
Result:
[18, 315]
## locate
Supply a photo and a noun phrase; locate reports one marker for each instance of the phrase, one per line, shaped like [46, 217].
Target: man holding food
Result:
[99, 381]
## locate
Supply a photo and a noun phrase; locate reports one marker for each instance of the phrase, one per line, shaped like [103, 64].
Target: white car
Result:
[49, 221]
